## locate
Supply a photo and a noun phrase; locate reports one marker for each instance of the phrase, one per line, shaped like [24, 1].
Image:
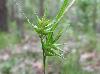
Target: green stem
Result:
[44, 62]
[44, 56]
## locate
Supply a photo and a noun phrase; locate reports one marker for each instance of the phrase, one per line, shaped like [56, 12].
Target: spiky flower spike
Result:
[45, 29]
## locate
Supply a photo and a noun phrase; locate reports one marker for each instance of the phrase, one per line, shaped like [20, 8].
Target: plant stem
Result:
[44, 62]
[44, 56]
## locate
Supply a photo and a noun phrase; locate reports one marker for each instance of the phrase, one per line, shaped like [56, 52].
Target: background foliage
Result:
[20, 51]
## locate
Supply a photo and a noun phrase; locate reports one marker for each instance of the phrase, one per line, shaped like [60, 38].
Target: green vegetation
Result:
[71, 66]
[62, 37]
[7, 39]
[45, 29]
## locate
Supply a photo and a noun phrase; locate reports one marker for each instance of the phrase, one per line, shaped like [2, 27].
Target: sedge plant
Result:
[45, 29]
